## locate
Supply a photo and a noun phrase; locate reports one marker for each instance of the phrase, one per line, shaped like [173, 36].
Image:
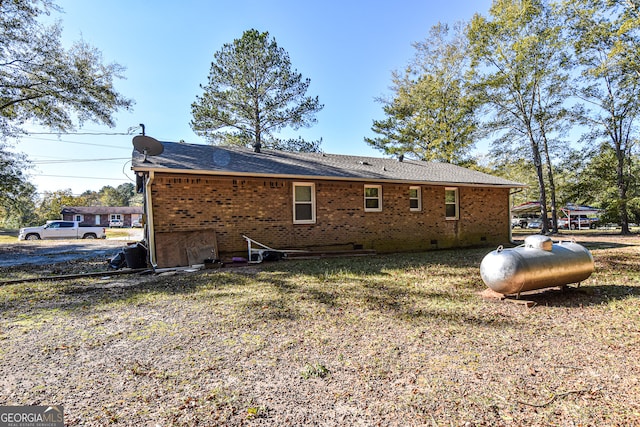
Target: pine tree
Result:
[252, 93]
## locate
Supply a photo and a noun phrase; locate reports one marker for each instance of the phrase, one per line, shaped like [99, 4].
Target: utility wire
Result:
[50, 162]
[81, 133]
[81, 143]
[130, 131]
[81, 177]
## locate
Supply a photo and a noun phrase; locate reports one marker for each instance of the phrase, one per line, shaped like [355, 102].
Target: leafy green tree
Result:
[431, 115]
[606, 37]
[128, 194]
[122, 195]
[251, 93]
[581, 179]
[517, 62]
[519, 169]
[126, 191]
[299, 144]
[52, 202]
[19, 205]
[625, 46]
[136, 200]
[42, 82]
[91, 198]
[14, 185]
[110, 196]
[587, 179]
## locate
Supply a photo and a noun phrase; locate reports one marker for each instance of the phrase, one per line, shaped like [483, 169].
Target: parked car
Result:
[522, 221]
[115, 223]
[534, 223]
[578, 222]
[136, 223]
[62, 230]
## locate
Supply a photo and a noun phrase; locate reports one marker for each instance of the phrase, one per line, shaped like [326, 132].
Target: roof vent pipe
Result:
[401, 158]
[256, 147]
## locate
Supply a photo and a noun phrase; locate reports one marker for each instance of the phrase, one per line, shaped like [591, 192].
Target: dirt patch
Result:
[47, 252]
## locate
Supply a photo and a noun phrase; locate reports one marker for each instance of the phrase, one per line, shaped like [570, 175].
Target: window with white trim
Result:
[78, 217]
[304, 203]
[373, 198]
[415, 199]
[451, 205]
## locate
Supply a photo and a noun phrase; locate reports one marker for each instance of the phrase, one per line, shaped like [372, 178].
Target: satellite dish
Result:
[147, 146]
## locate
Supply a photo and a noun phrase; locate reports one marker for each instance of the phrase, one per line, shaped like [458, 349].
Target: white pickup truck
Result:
[62, 230]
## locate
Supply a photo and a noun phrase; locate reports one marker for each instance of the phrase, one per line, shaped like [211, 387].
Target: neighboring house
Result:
[122, 216]
[208, 195]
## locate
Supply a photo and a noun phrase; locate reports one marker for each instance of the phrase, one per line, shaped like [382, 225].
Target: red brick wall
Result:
[262, 208]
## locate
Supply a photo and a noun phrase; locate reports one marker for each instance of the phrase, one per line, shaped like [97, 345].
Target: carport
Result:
[526, 210]
[577, 211]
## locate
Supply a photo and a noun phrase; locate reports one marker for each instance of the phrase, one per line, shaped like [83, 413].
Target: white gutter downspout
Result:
[149, 225]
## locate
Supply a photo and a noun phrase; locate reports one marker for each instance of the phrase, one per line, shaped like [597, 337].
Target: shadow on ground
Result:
[584, 296]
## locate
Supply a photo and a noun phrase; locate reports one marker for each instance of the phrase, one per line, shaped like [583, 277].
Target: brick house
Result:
[208, 195]
[103, 215]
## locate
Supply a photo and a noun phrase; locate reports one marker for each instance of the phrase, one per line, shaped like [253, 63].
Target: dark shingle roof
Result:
[241, 161]
[102, 210]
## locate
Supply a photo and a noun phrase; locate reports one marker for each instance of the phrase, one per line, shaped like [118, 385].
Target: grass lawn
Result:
[8, 235]
[385, 340]
[116, 233]
[5, 238]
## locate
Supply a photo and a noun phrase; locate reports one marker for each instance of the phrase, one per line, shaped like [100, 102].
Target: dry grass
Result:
[7, 238]
[387, 340]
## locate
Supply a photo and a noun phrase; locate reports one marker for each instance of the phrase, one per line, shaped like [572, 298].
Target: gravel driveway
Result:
[56, 251]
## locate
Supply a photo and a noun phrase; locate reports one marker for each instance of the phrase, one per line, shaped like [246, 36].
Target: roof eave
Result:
[320, 177]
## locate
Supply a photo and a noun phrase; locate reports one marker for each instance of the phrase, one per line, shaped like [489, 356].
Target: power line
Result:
[130, 131]
[82, 133]
[49, 162]
[80, 177]
[81, 143]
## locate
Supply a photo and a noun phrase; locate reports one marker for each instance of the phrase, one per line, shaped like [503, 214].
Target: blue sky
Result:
[347, 49]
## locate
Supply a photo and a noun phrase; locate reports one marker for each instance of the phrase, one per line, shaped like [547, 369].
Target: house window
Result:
[451, 203]
[78, 218]
[115, 217]
[373, 198]
[415, 199]
[304, 203]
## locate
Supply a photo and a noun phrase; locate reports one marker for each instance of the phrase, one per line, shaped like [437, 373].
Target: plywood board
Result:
[184, 248]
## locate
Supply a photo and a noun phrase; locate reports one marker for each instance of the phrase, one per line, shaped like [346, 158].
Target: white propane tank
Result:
[538, 264]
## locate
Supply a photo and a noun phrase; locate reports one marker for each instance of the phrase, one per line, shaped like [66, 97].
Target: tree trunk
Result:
[257, 144]
[622, 191]
[552, 185]
[537, 161]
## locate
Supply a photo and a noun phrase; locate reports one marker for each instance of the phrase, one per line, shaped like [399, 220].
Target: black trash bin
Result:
[136, 256]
